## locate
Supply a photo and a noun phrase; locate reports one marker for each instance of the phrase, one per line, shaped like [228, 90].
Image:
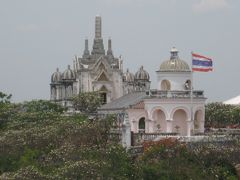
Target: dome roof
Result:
[174, 64]
[141, 74]
[56, 77]
[128, 77]
[68, 74]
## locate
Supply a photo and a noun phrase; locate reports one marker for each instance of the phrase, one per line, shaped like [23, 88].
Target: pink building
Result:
[171, 108]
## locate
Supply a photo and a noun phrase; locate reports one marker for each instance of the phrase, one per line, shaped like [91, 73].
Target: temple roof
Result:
[124, 102]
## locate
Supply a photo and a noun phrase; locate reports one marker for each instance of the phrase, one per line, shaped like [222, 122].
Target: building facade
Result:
[171, 108]
[97, 70]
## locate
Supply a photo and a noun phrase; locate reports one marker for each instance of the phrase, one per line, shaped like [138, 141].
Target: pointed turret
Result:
[98, 47]
[86, 50]
[109, 51]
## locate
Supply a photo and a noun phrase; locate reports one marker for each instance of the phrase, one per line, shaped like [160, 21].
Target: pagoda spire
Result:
[86, 51]
[98, 27]
[109, 51]
[98, 47]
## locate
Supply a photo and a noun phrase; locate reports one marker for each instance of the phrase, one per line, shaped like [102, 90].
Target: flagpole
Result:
[191, 90]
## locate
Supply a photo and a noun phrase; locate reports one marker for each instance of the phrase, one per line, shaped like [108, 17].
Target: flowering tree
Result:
[40, 142]
[87, 102]
[221, 115]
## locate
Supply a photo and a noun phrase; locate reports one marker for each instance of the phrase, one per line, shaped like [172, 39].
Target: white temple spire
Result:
[98, 27]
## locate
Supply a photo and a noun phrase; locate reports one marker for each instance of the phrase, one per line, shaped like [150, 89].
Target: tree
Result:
[87, 102]
[5, 108]
[170, 159]
[43, 106]
[4, 98]
[221, 115]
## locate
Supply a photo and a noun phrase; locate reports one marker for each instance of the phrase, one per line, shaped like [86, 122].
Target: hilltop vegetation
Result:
[220, 115]
[38, 141]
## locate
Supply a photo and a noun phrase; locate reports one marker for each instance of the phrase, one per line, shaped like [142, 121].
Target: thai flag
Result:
[201, 63]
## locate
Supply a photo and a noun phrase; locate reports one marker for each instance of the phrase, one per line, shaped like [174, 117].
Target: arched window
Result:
[165, 85]
[141, 125]
[103, 96]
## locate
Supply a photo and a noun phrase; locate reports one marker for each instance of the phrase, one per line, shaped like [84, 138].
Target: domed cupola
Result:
[141, 74]
[128, 77]
[56, 77]
[68, 74]
[174, 64]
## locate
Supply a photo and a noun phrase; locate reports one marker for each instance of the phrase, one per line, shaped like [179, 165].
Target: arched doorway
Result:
[141, 125]
[198, 117]
[180, 122]
[165, 85]
[160, 121]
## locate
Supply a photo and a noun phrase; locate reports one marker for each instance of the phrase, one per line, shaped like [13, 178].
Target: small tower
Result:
[109, 51]
[174, 74]
[55, 85]
[142, 80]
[128, 82]
[86, 52]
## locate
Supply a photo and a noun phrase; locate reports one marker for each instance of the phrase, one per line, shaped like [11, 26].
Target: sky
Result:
[37, 36]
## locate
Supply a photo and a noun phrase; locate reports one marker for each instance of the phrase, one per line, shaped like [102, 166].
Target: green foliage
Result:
[6, 108]
[87, 102]
[4, 98]
[220, 115]
[37, 141]
[168, 159]
[43, 106]
[40, 142]
[29, 157]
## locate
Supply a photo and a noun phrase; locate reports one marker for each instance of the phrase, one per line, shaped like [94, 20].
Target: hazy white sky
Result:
[36, 36]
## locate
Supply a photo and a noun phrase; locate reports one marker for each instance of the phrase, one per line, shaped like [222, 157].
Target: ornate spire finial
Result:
[86, 51]
[109, 51]
[69, 66]
[174, 53]
[98, 27]
[57, 69]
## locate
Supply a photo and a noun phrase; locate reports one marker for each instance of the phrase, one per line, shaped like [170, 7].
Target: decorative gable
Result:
[102, 77]
[102, 67]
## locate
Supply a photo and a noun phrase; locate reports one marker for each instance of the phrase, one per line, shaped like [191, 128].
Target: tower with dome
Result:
[171, 108]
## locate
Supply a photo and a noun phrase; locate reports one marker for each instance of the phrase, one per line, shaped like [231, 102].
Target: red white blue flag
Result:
[201, 63]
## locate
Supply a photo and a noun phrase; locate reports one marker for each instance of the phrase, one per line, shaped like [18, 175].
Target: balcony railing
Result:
[174, 94]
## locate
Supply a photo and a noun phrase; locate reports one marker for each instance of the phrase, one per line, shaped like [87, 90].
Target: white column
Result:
[150, 126]
[201, 128]
[189, 127]
[169, 126]
[147, 125]
[126, 132]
